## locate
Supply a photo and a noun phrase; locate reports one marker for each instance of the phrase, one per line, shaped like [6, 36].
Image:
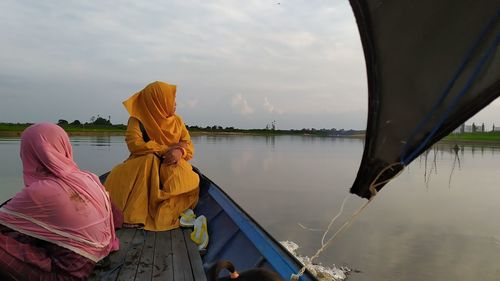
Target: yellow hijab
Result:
[154, 108]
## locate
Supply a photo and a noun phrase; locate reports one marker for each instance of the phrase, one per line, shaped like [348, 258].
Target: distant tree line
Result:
[271, 129]
[100, 123]
[93, 122]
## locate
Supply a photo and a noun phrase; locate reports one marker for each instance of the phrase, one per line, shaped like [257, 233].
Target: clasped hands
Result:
[172, 156]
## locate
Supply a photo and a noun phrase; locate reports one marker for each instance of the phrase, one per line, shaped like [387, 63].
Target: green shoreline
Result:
[192, 133]
[478, 138]
[15, 129]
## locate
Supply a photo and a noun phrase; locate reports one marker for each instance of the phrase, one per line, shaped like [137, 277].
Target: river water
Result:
[437, 221]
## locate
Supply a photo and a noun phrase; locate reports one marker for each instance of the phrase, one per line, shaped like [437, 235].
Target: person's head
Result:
[160, 96]
[45, 151]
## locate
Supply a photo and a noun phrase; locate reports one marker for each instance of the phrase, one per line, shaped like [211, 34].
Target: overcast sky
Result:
[235, 63]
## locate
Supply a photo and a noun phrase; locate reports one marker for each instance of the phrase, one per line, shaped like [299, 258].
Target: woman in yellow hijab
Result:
[156, 183]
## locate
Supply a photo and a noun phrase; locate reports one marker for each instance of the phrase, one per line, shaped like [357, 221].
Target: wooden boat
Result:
[171, 255]
[431, 65]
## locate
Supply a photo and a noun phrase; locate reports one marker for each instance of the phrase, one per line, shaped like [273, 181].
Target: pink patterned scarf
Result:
[60, 203]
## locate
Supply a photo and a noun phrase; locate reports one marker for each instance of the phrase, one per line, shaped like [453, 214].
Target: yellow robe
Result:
[149, 193]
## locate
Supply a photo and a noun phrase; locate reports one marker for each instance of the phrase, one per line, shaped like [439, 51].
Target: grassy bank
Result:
[488, 137]
[8, 127]
[15, 129]
[19, 127]
[89, 129]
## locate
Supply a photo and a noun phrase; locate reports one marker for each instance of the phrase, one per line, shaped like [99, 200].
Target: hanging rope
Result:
[309, 228]
[334, 219]
[347, 223]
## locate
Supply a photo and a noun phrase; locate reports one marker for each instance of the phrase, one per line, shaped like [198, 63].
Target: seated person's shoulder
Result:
[45, 188]
[178, 118]
[133, 120]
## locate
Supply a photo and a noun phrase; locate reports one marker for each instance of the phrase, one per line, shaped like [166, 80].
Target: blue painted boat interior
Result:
[236, 237]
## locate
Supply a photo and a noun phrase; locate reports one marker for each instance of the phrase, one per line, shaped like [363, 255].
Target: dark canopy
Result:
[431, 65]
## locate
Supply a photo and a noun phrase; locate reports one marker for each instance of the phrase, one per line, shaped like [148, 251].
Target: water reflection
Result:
[271, 140]
[473, 148]
[93, 153]
[98, 141]
[449, 153]
[240, 162]
[436, 221]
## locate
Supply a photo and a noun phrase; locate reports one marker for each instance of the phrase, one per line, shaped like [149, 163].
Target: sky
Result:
[240, 64]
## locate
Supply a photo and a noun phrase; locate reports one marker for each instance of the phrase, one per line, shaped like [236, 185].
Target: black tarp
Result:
[431, 65]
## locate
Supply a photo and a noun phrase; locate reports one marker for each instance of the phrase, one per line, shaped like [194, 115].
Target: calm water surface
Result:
[425, 225]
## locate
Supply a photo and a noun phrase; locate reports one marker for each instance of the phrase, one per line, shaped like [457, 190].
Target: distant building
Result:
[472, 128]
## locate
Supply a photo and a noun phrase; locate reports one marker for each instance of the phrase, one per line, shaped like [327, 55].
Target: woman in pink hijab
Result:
[61, 223]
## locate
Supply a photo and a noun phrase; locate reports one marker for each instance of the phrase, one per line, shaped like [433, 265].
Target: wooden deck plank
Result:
[181, 264]
[145, 269]
[155, 256]
[116, 258]
[120, 232]
[194, 257]
[163, 257]
[132, 258]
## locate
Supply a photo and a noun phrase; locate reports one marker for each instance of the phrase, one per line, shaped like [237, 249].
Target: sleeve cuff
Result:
[163, 150]
[184, 152]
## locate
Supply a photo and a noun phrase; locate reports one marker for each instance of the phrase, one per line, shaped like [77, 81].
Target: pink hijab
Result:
[60, 203]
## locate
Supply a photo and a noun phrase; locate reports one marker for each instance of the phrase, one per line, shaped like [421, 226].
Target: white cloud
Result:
[192, 103]
[295, 40]
[271, 108]
[228, 12]
[240, 103]
[307, 54]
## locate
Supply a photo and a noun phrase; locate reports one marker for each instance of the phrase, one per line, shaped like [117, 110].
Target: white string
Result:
[329, 225]
[296, 277]
[347, 223]
[309, 228]
[333, 220]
